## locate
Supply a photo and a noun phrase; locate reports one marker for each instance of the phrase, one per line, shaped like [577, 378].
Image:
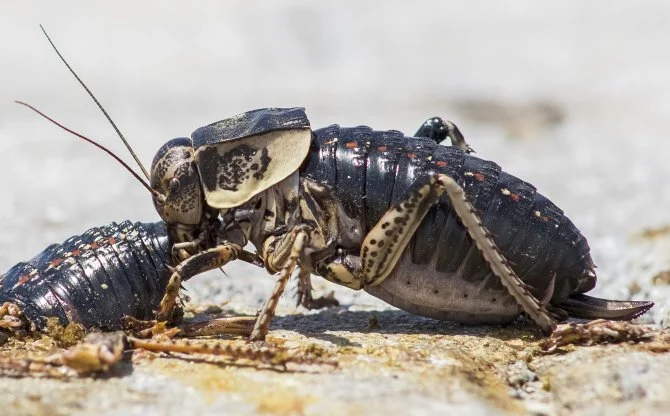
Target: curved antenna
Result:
[159, 197]
[97, 103]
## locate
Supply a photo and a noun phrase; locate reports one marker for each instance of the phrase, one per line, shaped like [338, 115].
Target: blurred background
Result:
[571, 96]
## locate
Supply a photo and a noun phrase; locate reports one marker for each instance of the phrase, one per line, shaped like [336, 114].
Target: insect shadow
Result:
[323, 324]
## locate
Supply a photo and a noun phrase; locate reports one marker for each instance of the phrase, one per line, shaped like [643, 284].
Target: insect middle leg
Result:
[305, 297]
[284, 252]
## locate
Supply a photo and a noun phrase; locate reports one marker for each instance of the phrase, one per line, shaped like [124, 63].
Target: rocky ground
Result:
[368, 362]
[572, 96]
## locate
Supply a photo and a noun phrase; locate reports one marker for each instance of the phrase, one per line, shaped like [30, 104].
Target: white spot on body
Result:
[538, 213]
[105, 286]
[505, 191]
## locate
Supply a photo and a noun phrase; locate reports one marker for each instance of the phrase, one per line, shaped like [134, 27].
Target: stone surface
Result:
[572, 96]
[386, 361]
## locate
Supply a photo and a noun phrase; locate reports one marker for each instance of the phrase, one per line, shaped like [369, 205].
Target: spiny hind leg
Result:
[387, 240]
[439, 129]
[494, 257]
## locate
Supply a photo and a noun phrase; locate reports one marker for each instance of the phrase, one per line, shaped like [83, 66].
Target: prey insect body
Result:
[93, 279]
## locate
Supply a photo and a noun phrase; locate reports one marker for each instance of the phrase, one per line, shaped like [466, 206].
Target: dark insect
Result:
[428, 228]
[94, 279]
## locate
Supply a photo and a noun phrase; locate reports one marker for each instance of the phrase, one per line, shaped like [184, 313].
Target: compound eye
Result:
[174, 186]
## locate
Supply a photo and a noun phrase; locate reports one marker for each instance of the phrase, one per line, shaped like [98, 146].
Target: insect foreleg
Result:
[198, 263]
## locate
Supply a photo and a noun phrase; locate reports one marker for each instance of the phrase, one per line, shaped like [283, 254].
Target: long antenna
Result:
[97, 103]
[160, 197]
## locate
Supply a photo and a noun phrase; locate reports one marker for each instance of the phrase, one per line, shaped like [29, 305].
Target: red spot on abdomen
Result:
[351, 145]
[441, 163]
[23, 279]
[480, 177]
[382, 148]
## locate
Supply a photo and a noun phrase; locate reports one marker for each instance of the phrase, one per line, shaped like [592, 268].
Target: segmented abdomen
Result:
[368, 171]
[94, 278]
